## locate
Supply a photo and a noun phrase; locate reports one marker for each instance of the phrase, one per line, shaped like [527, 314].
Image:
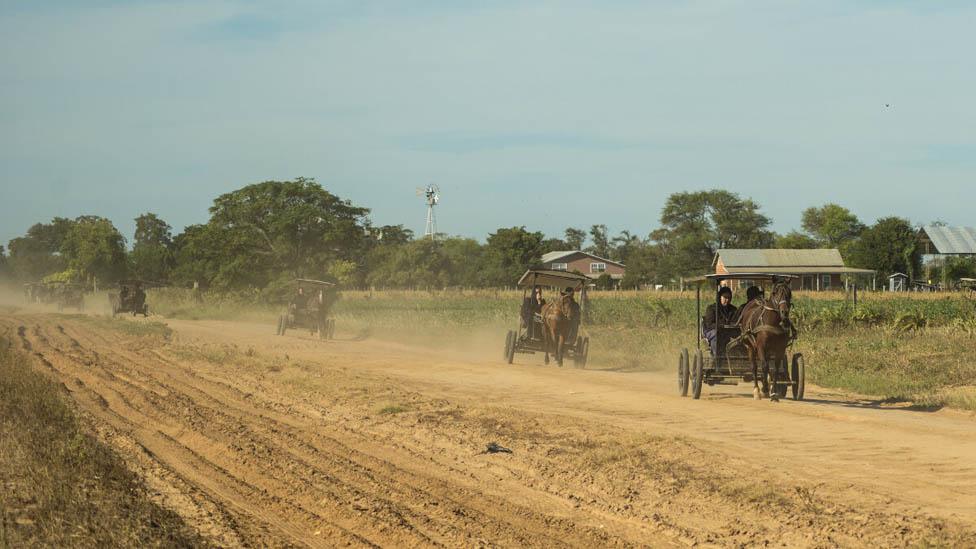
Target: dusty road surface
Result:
[261, 440]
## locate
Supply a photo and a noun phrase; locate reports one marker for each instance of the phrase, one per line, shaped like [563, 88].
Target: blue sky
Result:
[546, 114]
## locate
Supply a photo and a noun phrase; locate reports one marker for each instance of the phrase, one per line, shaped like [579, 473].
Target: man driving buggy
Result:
[568, 291]
[724, 310]
[299, 301]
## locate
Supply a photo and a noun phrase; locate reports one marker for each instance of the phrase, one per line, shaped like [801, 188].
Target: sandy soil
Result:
[261, 440]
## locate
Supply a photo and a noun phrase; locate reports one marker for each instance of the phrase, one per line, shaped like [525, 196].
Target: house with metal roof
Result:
[940, 240]
[592, 266]
[821, 269]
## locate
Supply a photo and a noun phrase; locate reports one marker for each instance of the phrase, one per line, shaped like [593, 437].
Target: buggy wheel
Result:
[578, 352]
[697, 375]
[145, 310]
[283, 324]
[586, 352]
[509, 341]
[331, 328]
[511, 350]
[684, 375]
[798, 376]
[781, 376]
[278, 327]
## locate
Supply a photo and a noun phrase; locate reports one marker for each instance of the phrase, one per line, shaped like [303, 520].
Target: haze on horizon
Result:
[544, 114]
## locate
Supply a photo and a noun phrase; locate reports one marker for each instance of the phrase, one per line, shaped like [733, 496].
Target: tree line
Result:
[266, 234]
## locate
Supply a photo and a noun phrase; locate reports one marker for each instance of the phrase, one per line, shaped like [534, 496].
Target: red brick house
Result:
[578, 261]
[822, 269]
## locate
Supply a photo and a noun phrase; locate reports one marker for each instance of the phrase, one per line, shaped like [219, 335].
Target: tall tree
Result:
[795, 240]
[93, 246]
[509, 253]
[574, 238]
[832, 225]
[694, 225]
[38, 252]
[600, 237]
[152, 254]
[889, 246]
[624, 245]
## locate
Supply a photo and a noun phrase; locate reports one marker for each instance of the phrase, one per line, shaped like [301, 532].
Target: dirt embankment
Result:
[264, 440]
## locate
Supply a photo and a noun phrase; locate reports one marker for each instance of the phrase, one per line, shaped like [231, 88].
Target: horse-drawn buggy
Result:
[751, 343]
[38, 292]
[309, 309]
[70, 295]
[131, 298]
[551, 326]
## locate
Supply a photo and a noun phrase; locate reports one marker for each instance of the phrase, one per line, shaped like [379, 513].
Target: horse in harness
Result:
[766, 333]
[560, 318]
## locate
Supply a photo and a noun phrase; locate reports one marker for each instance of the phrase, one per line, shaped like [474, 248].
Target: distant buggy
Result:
[70, 296]
[131, 298]
[309, 309]
[528, 337]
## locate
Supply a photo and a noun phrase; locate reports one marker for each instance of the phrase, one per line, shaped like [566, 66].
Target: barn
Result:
[821, 269]
[584, 262]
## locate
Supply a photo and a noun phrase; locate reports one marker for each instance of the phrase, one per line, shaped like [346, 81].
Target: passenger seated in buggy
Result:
[726, 313]
[531, 308]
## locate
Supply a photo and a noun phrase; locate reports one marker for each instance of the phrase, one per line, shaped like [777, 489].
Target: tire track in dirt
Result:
[249, 460]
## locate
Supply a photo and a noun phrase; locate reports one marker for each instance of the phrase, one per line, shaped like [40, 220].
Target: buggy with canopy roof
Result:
[528, 337]
[309, 308]
[730, 364]
[71, 295]
[131, 298]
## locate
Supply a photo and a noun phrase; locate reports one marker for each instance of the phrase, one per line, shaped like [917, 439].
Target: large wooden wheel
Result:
[509, 343]
[684, 374]
[798, 376]
[697, 375]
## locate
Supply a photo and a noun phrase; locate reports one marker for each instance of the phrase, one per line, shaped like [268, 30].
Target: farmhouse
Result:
[822, 269]
[578, 261]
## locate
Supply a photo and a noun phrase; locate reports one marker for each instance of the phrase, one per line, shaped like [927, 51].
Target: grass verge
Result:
[60, 487]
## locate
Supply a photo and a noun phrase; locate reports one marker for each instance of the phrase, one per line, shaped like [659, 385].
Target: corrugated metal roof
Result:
[952, 240]
[738, 258]
[556, 256]
[801, 270]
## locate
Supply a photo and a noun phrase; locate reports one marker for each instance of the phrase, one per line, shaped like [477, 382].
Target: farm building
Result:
[578, 261]
[822, 269]
[935, 240]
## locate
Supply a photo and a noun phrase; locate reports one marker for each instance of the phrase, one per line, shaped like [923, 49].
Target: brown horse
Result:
[557, 323]
[766, 333]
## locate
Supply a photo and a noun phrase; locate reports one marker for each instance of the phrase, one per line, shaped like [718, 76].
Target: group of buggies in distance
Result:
[64, 294]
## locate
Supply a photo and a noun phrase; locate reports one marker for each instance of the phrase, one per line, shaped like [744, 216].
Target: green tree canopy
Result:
[795, 240]
[93, 246]
[694, 225]
[152, 255]
[509, 253]
[574, 238]
[832, 225]
[600, 237]
[889, 246]
[38, 253]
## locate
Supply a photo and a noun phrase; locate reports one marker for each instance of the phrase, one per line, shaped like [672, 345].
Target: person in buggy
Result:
[724, 310]
[532, 306]
[299, 301]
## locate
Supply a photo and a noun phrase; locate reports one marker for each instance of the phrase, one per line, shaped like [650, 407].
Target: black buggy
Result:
[70, 295]
[528, 338]
[729, 366]
[131, 298]
[309, 309]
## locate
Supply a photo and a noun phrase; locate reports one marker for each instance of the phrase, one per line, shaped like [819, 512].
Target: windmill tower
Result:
[432, 195]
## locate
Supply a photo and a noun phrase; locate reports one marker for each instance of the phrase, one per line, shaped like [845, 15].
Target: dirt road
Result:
[264, 440]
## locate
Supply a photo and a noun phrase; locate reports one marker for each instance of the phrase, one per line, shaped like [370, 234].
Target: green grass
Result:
[59, 487]
[139, 328]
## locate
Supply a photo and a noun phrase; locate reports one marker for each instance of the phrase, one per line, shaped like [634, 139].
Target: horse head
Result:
[782, 298]
[566, 306]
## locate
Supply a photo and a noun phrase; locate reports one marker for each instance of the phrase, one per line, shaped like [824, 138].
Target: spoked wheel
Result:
[684, 374]
[282, 325]
[798, 376]
[578, 352]
[511, 351]
[509, 342]
[586, 352]
[781, 373]
[697, 375]
[145, 310]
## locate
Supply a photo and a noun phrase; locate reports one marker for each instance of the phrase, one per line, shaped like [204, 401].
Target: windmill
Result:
[432, 195]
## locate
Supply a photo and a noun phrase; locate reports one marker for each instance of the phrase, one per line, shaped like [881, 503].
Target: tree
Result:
[509, 253]
[152, 254]
[392, 235]
[554, 244]
[3, 262]
[94, 247]
[694, 225]
[600, 237]
[795, 240]
[624, 245]
[832, 225]
[416, 264]
[888, 246]
[38, 252]
[574, 238]
[266, 231]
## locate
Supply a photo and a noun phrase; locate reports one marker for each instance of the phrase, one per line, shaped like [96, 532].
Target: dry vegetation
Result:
[59, 487]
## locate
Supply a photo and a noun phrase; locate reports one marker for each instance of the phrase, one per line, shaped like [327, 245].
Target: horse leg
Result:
[560, 340]
[545, 340]
[755, 375]
[773, 397]
[765, 373]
